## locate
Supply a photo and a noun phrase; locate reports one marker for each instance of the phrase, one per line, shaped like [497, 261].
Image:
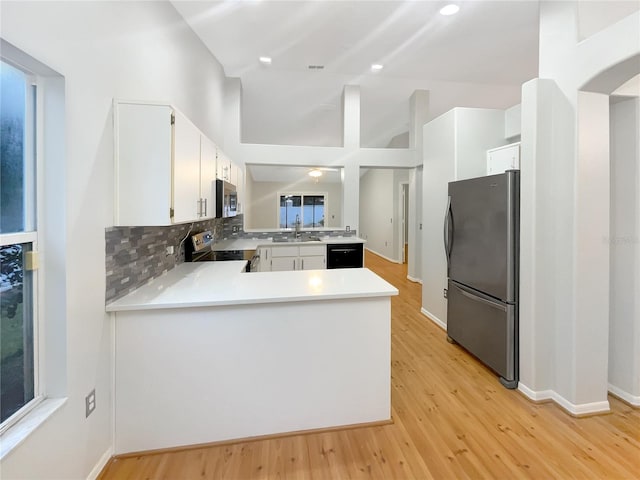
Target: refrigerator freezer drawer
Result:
[486, 328]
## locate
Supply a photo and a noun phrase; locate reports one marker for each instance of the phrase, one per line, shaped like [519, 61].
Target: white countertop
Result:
[254, 243]
[225, 283]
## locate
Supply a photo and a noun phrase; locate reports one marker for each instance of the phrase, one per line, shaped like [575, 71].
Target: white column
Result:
[232, 115]
[592, 250]
[351, 116]
[418, 112]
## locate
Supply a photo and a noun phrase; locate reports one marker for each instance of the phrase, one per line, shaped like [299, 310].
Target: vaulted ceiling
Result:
[478, 58]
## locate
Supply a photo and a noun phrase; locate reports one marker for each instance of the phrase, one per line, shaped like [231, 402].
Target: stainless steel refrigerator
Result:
[481, 237]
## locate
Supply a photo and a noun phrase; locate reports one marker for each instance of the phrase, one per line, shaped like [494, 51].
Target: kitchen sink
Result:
[295, 240]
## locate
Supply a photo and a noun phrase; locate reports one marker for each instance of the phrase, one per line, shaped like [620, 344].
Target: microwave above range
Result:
[226, 199]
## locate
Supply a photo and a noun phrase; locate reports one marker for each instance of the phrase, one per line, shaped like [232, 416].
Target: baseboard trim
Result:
[434, 319]
[626, 397]
[414, 280]
[97, 469]
[575, 410]
[382, 256]
[271, 436]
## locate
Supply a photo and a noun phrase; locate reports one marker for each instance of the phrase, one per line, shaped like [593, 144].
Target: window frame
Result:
[301, 194]
[30, 235]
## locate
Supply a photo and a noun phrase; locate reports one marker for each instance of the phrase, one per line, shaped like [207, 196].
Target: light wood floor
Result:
[452, 420]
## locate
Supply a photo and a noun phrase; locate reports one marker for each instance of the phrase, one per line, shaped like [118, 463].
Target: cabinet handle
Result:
[205, 207]
[302, 264]
[294, 263]
[199, 213]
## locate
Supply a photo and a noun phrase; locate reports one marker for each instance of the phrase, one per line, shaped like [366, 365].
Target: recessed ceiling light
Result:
[315, 173]
[450, 9]
[265, 60]
[376, 67]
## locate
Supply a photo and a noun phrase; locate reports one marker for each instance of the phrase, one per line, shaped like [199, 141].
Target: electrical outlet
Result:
[235, 228]
[90, 402]
[169, 250]
[445, 292]
[348, 228]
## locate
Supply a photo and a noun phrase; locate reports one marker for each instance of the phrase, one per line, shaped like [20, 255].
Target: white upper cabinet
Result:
[164, 167]
[207, 178]
[504, 158]
[186, 171]
[230, 172]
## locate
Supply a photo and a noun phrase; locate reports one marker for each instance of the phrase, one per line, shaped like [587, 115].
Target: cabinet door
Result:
[223, 167]
[265, 259]
[240, 188]
[186, 170]
[312, 263]
[281, 264]
[207, 178]
[502, 159]
[143, 164]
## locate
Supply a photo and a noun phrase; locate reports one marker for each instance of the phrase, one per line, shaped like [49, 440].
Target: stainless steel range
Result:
[198, 249]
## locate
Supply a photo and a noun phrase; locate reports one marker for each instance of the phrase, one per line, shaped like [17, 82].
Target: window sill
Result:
[19, 432]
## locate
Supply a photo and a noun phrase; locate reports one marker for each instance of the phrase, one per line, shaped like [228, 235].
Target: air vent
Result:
[315, 67]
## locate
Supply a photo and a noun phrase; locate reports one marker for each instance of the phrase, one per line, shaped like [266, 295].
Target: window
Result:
[18, 244]
[308, 209]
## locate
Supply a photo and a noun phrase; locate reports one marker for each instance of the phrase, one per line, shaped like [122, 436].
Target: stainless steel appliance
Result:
[226, 199]
[481, 237]
[198, 249]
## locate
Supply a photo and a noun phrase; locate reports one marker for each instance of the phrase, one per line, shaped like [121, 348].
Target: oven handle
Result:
[343, 250]
[253, 263]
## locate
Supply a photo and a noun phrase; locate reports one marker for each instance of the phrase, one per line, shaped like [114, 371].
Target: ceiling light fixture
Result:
[315, 173]
[376, 67]
[450, 9]
[265, 60]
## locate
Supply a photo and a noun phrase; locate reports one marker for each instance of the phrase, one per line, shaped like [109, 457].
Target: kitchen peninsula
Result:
[208, 353]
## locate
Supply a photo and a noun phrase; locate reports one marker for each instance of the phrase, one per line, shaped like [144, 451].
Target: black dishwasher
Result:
[344, 255]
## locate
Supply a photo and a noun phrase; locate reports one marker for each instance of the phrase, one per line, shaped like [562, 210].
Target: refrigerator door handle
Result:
[446, 233]
[467, 292]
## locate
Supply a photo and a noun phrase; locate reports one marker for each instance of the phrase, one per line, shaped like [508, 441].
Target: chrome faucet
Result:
[298, 225]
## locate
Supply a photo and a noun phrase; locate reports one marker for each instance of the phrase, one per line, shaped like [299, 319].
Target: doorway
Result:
[403, 224]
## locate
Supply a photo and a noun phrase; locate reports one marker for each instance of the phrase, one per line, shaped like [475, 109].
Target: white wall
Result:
[414, 262]
[261, 208]
[400, 176]
[438, 170]
[380, 210]
[512, 123]
[455, 146]
[104, 50]
[624, 242]
[350, 156]
[565, 207]
[377, 211]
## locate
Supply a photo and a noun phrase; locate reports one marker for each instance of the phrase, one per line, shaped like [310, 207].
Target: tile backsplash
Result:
[135, 255]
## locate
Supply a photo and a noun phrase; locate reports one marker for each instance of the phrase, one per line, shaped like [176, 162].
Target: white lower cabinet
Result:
[312, 257]
[293, 257]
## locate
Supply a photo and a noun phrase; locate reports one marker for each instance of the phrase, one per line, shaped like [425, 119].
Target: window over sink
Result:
[308, 209]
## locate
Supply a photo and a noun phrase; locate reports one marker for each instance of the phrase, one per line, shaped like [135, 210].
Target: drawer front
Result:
[312, 250]
[285, 251]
